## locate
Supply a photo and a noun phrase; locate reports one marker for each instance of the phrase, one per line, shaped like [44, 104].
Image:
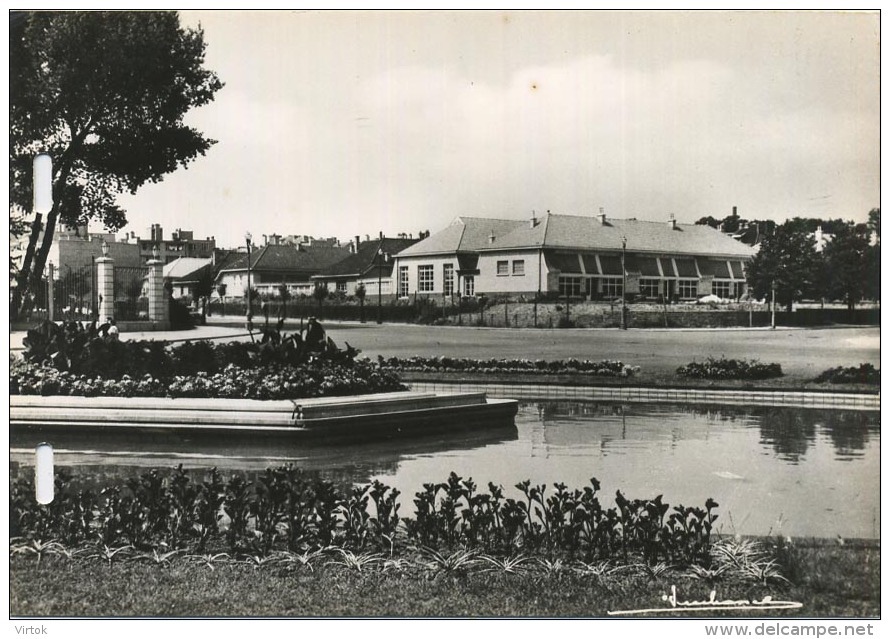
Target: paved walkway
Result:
[201, 332]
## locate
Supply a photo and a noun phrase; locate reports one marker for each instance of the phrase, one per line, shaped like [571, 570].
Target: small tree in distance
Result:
[284, 296]
[221, 290]
[320, 293]
[360, 293]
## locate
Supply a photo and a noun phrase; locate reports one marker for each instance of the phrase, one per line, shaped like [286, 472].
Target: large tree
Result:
[788, 260]
[847, 266]
[104, 94]
[874, 255]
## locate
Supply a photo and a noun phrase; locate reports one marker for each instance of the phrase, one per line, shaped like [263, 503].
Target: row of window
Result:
[426, 280]
[503, 267]
[574, 286]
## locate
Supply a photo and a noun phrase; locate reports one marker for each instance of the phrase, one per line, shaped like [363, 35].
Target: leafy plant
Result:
[358, 562]
[438, 562]
[287, 517]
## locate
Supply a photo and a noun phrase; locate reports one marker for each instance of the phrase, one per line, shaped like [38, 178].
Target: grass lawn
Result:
[830, 581]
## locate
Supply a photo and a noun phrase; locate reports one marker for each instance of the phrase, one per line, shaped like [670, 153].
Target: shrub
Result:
[862, 374]
[81, 351]
[729, 369]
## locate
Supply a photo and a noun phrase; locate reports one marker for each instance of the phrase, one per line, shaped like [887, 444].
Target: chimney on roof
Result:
[735, 212]
[602, 216]
[381, 235]
[534, 221]
[491, 237]
[672, 223]
[357, 241]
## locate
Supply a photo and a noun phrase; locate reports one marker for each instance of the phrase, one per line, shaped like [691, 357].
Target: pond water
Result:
[783, 471]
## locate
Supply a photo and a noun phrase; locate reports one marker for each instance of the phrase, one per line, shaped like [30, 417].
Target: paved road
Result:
[805, 352]
[801, 352]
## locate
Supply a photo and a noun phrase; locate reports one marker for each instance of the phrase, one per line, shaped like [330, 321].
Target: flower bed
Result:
[862, 374]
[729, 369]
[605, 368]
[73, 360]
[264, 382]
[285, 510]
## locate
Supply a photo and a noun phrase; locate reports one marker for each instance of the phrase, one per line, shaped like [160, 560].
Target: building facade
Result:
[276, 265]
[370, 264]
[581, 257]
[179, 244]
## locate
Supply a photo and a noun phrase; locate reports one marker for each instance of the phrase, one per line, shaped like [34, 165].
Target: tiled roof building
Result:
[276, 264]
[575, 256]
[371, 265]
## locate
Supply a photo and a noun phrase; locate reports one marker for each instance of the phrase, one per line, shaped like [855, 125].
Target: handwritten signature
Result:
[712, 603]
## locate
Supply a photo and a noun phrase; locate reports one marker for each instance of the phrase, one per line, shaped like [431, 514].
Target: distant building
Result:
[186, 273]
[274, 265]
[369, 264]
[574, 256]
[74, 250]
[179, 244]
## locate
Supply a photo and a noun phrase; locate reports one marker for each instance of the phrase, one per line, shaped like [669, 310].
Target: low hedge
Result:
[605, 368]
[729, 369]
[862, 374]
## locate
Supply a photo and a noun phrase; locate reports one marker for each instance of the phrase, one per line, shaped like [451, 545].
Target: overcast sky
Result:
[351, 123]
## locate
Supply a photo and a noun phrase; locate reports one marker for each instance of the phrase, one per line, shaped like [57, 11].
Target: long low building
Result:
[575, 256]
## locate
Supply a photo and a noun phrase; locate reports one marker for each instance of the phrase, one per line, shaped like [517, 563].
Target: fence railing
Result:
[73, 295]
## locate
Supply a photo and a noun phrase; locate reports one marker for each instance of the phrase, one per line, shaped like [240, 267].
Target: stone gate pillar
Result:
[105, 287]
[158, 306]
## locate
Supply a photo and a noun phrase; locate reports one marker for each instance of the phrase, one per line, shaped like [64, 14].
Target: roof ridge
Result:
[259, 255]
[460, 238]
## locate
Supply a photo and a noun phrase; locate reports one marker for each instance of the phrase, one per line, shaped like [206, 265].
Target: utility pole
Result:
[247, 238]
[623, 285]
[381, 258]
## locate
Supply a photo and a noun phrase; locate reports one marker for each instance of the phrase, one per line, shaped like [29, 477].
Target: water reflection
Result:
[130, 454]
[790, 432]
[808, 472]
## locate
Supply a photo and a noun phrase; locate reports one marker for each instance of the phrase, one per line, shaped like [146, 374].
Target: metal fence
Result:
[73, 294]
[130, 293]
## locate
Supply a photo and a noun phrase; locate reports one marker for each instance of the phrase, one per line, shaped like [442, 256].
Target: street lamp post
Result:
[247, 238]
[623, 286]
[381, 258]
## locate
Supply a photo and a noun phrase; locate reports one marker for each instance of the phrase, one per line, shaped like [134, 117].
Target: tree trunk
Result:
[24, 276]
[50, 226]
